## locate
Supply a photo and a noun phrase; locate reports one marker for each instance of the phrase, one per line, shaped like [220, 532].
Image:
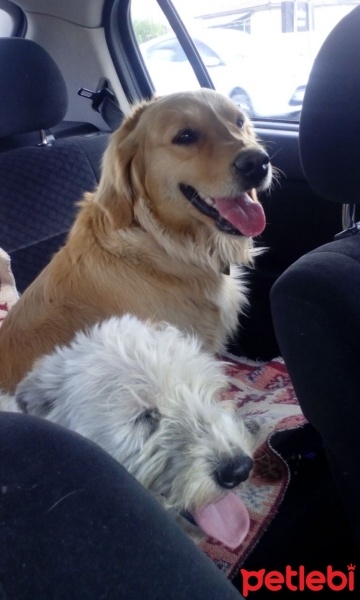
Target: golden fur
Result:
[137, 244]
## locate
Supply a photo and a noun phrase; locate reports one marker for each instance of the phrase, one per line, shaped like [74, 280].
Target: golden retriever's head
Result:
[193, 160]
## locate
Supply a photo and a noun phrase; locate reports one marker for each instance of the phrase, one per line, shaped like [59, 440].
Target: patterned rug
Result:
[267, 402]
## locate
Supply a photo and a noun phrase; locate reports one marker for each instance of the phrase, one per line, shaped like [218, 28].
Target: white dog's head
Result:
[149, 395]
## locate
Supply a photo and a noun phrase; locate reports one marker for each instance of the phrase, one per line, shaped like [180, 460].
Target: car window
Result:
[258, 54]
[208, 56]
[171, 50]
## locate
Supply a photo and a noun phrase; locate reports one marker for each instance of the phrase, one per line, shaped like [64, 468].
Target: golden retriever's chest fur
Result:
[206, 306]
[141, 278]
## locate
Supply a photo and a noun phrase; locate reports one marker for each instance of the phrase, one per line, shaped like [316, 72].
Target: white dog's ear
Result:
[32, 398]
[116, 191]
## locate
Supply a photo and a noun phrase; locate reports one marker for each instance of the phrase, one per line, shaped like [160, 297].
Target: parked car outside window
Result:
[235, 67]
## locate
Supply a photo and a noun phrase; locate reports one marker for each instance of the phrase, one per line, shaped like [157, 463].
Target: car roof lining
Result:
[87, 13]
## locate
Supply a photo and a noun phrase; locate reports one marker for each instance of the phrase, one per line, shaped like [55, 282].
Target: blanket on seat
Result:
[266, 401]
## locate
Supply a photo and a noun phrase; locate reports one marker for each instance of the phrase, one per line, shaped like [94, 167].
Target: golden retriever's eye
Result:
[240, 122]
[186, 137]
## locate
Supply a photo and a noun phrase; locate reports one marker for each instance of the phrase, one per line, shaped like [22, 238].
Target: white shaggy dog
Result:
[149, 395]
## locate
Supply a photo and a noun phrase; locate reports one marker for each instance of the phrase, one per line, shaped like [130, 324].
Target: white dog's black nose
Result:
[253, 164]
[232, 471]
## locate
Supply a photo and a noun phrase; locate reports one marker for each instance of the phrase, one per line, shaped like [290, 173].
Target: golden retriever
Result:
[175, 206]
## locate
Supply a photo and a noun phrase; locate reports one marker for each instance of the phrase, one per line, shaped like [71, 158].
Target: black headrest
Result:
[33, 91]
[330, 118]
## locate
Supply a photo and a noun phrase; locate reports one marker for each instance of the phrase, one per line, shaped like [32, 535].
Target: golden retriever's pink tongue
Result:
[226, 520]
[244, 213]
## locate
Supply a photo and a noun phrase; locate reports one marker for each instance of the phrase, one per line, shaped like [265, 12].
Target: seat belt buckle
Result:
[97, 98]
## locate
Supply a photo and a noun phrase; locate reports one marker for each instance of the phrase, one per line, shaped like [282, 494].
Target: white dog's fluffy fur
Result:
[149, 395]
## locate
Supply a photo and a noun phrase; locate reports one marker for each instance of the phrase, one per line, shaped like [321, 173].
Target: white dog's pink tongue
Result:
[244, 213]
[227, 520]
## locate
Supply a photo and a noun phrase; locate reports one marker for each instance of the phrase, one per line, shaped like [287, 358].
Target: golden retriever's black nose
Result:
[232, 471]
[253, 164]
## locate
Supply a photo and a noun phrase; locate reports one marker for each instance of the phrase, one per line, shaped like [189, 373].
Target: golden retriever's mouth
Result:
[240, 215]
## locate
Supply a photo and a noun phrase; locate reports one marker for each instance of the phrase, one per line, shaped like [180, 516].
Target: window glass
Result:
[257, 53]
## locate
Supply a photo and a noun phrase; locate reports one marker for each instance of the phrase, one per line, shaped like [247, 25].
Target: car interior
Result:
[70, 71]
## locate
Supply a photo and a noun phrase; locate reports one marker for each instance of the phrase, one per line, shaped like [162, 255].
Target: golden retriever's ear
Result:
[116, 192]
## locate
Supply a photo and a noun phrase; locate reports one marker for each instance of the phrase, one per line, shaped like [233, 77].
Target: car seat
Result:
[315, 302]
[329, 131]
[41, 177]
